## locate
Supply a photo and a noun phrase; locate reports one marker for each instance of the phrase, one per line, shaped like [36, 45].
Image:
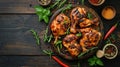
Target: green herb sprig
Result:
[36, 36]
[89, 15]
[46, 37]
[58, 44]
[79, 34]
[87, 51]
[48, 52]
[94, 61]
[82, 2]
[68, 31]
[55, 4]
[43, 13]
[69, 6]
[62, 3]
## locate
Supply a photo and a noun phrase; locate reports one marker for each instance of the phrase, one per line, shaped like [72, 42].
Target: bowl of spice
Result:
[110, 51]
[44, 2]
[96, 2]
[108, 12]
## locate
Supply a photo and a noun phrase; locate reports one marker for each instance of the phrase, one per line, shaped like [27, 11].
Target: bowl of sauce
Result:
[108, 12]
[96, 2]
[44, 2]
[110, 51]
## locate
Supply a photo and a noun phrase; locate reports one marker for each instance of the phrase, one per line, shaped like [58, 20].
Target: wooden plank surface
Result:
[17, 45]
[15, 35]
[40, 61]
[17, 6]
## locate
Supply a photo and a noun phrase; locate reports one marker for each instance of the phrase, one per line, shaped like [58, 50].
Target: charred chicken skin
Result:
[75, 15]
[90, 38]
[70, 42]
[87, 22]
[59, 25]
[77, 23]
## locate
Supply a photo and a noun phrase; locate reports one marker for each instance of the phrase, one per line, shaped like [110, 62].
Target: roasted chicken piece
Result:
[75, 15]
[59, 25]
[90, 38]
[70, 42]
[87, 22]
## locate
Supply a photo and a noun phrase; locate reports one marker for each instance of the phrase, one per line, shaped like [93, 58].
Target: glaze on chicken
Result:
[85, 22]
[75, 15]
[90, 38]
[60, 25]
[77, 23]
[70, 42]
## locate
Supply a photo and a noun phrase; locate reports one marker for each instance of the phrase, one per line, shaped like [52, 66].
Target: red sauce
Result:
[95, 1]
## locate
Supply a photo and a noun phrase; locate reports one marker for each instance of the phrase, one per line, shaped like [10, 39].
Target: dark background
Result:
[18, 47]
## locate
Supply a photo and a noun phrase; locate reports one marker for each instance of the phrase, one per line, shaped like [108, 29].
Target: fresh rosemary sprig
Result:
[36, 36]
[48, 52]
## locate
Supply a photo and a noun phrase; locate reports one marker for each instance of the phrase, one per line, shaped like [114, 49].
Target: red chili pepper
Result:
[60, 62]
[110, 31]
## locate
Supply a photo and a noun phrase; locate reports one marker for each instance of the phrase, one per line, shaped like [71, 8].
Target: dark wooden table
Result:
[18, 47]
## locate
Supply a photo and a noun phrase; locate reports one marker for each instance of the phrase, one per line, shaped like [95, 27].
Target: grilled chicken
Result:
[59, 25]
[87, 22]
[75, 15]
[78, 22]
[90, 38]
[70, 42]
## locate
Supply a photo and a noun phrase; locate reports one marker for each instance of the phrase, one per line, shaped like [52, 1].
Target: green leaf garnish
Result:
[79, 34]
[93, 61]
[89, 15]
[43, 13]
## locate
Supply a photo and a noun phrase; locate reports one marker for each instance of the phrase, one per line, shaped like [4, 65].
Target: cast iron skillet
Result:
[63, 52]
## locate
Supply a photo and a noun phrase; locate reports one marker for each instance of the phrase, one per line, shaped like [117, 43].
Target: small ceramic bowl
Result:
[110, 51]
[108, 12]
[96, 2]
[44, 2]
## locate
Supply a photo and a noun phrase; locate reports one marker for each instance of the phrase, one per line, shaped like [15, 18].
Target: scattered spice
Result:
[108, 12]
[110, 51]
